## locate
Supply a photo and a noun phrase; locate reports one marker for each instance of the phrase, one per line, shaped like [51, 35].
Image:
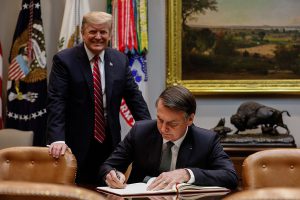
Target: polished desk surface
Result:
[201, 196]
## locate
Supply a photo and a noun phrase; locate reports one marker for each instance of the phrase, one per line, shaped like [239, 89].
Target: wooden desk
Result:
[238, 154]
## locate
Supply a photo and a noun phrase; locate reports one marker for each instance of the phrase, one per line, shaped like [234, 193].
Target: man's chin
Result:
[167, 136]
[97, 49]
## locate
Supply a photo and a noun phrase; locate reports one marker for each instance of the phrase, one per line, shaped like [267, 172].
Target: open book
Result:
[140, 189]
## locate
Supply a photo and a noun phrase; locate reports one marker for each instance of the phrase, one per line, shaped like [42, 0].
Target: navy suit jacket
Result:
[71, 97]
[200, 151]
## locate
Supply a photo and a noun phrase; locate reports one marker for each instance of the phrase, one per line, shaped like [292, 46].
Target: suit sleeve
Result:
[134, 98]
[121, 157]
[56, 104]
[220, 170]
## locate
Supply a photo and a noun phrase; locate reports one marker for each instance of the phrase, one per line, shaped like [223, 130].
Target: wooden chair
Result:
[34, 164]
[18, 190]
[272, 168]
[14, 137]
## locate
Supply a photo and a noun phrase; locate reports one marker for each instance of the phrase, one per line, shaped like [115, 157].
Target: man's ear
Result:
[190, 119]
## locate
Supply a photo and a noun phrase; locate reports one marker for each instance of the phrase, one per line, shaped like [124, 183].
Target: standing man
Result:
[86, 85]
[171, 148]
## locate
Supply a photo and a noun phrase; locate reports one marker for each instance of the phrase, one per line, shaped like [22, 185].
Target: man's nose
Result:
[164, 127]
[98, 35]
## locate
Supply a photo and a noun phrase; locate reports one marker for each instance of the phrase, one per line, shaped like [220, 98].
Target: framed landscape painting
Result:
[234, 46]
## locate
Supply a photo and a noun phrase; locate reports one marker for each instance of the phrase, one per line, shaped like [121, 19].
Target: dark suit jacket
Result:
[71, 97]
[200, 151]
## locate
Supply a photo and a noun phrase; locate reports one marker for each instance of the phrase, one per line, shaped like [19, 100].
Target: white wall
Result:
[209, 110]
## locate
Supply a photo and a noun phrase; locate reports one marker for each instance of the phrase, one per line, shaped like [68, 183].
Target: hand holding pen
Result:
[115, 179]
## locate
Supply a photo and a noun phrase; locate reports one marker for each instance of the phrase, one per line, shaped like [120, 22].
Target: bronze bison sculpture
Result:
[251, 114]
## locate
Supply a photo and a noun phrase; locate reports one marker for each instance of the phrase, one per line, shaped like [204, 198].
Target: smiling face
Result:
[96, 36]
[172, 124]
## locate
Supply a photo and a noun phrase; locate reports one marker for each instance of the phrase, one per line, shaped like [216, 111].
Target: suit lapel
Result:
[87, 71]
[154, 157]
[109, 66]
[185, 150]
[84, 63]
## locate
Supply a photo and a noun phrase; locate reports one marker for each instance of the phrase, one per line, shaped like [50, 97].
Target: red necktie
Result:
[99, 124]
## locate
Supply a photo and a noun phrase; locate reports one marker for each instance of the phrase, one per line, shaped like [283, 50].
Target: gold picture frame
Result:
[205, 87]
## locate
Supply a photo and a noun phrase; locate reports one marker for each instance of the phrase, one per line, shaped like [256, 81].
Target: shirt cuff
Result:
[192, 177]
[63, 142]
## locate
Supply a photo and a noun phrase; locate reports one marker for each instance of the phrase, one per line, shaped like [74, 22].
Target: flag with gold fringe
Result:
[130, 35]
[70, 29]
[27, 74]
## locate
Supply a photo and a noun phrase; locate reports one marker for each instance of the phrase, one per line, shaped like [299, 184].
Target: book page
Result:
[134, 189]
[139, 189]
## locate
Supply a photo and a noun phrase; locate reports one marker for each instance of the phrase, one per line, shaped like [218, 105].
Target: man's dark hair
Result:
[178, 98]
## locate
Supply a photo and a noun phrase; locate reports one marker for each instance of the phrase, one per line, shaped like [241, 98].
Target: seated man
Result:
[170, 148]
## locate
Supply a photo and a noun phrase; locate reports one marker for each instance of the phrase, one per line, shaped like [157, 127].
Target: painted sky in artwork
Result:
[252, 13]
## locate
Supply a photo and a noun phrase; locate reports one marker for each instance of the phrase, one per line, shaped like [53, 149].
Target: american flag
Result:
[18, 68]
[26, 97]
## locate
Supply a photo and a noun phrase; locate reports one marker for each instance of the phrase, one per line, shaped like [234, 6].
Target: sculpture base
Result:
[258, 139]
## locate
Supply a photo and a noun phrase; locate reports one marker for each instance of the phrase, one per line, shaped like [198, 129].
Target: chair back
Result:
[34, 164]
[270, 193]
[15, 190]
[14, 137]
[272, 168]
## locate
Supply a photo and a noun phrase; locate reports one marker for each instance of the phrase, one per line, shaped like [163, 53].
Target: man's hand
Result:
[115, 179]
[57, 149]
[167, 180]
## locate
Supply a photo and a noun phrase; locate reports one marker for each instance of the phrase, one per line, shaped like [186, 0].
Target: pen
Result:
[118, 176]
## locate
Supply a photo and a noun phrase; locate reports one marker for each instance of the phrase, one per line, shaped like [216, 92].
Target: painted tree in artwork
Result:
[195, 41]
[189, 8]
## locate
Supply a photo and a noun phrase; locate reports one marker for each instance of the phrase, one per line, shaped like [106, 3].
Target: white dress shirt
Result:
[102, 73]
[175, 148]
